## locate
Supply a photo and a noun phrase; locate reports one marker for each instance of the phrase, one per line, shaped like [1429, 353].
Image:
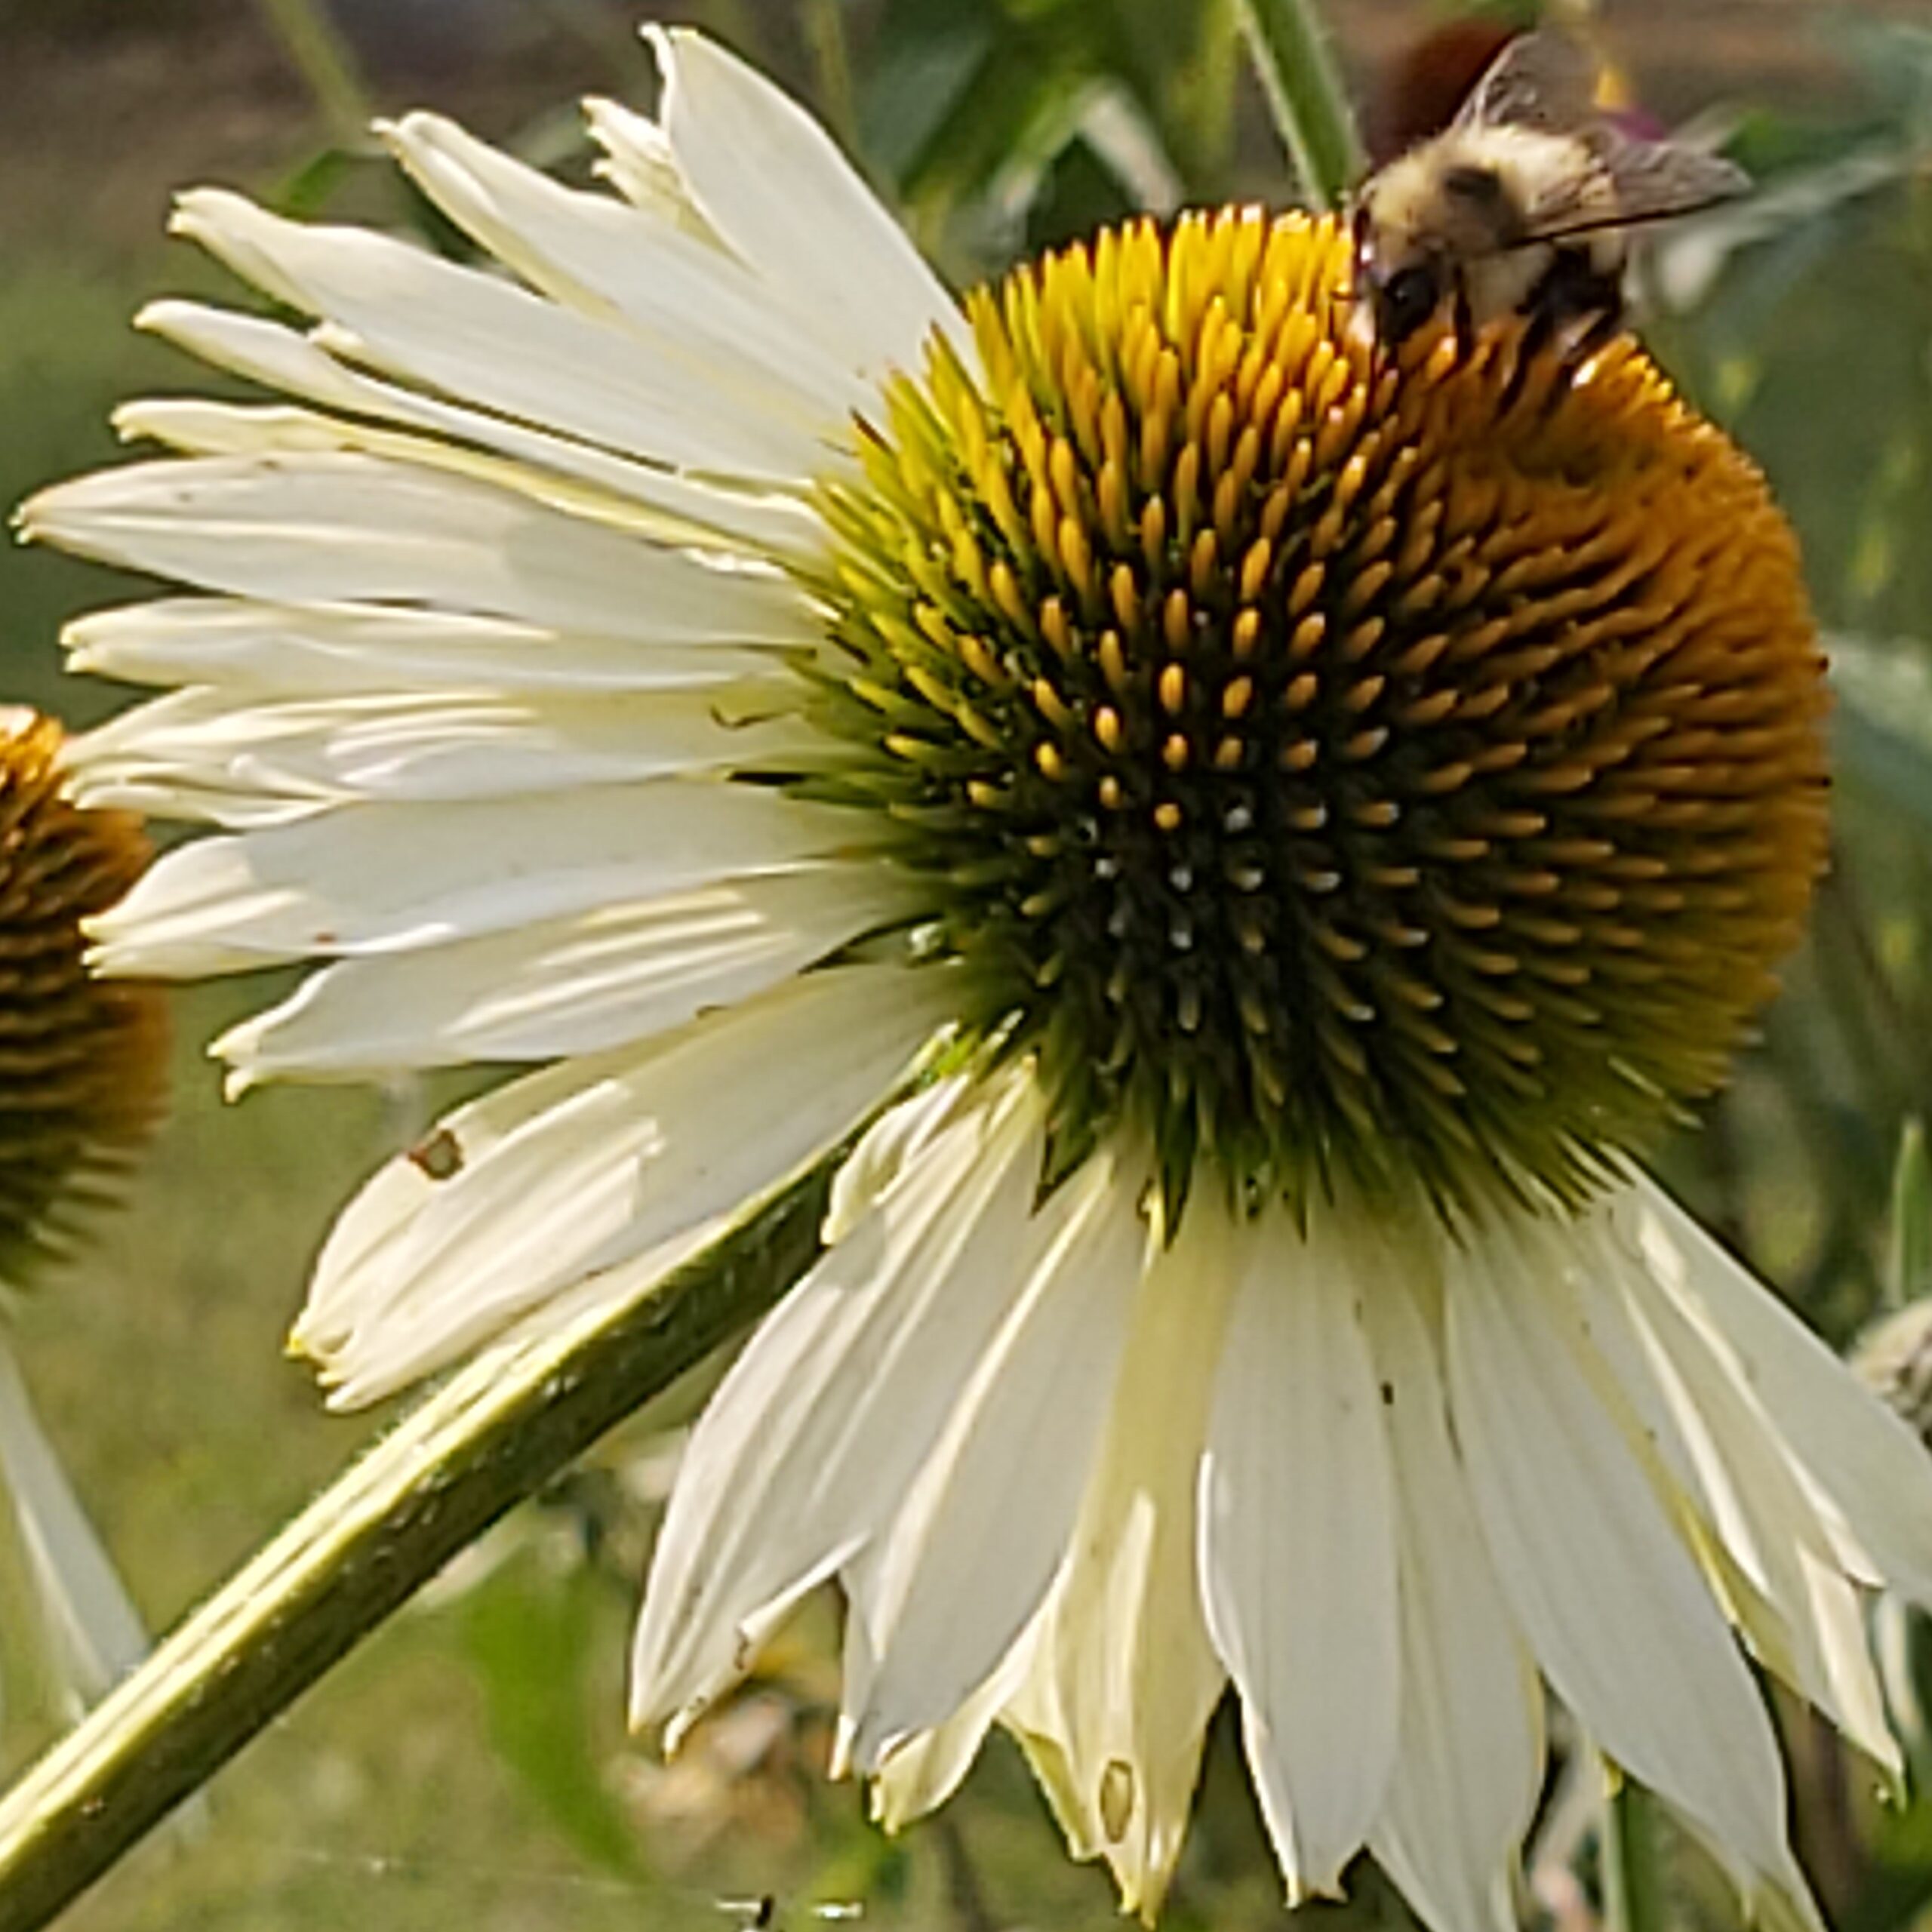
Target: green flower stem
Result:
[323, 59]
[1633, 1876]
[496, 1434]
[1290, 48]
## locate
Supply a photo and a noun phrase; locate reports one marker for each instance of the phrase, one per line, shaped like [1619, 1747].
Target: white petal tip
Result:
[1303, 1890]
[678, 1728]
[198, 212]
[333, 340]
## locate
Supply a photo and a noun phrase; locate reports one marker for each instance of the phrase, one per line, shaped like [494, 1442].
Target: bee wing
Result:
[1629, 182]
[1656, 180]
[1542, 81]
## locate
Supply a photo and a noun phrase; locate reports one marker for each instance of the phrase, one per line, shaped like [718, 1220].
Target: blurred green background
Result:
[469, 1765]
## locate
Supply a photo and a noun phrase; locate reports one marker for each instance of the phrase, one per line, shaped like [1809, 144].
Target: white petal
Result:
[773, 185]
[1121, 1676]
[1469, 1755]
[588, 1166]
[660, 504]
[245, 646]
[887, 1149]
[383, 879]
[202, 743]
[810, 1443]
[1298, 1551]
[1804, 1618]
[945, 1593]
[690, 302]
[480, 339]
[96, 1629]
[637, 162]
[1872, 1468]
[336, 526]
[572, 985]
[1617, 1611]
[925, 1770]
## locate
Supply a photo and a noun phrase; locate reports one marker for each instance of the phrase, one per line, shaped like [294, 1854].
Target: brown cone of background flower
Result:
[82, 1073]
[81, 1062]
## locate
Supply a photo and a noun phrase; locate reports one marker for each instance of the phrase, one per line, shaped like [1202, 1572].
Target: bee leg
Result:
[1602, 330]
[1539, 331]
[1465, 322]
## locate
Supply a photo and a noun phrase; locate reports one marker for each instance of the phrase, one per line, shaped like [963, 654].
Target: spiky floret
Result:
[1394, 771]
[82, 1062]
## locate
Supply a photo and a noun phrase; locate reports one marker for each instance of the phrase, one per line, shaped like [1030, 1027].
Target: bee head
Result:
[1403, 293]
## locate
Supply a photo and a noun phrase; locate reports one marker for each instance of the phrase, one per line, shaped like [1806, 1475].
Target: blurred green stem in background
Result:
[327, 66]
[1632, 1877]
[498, 1433]
[1289, 47]
[823, 23]
[1907, 1273]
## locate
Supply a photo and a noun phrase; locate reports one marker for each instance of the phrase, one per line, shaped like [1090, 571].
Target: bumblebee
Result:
[1524, 204]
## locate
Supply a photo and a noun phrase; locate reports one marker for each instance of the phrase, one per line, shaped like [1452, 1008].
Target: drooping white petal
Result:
[1803, 1618]
[944, 1593]
[809, 1444]
[773, 185]
[576, 985]
[741, 525]
[368, 879]
[925, 1771]
[637, 162]
[337, 526]
[200, 742]
[1120, 1676]
[1871, 1467]
[593, 1163]
[887, 1148]
[277, 357]
[688, 301]
[478, 338]
[1469, 1753]
[245, 646]
[96, 1630]
[1298, 1546]
[1621, 1619]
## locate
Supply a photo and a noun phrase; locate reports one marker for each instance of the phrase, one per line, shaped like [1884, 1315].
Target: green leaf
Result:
[999, 122]
[307, 189]
[1289, 46]
[532, 1632]
[1881, 729]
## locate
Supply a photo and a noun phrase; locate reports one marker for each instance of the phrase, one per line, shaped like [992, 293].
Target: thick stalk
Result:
[496, 1434]
[1290, 48]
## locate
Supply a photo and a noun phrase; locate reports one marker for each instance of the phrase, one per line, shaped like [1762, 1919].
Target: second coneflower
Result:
[83, 1072]
[1275, 831]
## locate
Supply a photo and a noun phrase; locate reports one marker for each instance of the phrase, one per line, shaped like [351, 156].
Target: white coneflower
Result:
[1329, 812]
[82, 1075]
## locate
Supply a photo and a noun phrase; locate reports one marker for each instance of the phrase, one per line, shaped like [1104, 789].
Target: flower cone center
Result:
[1404, 771]
[84, 1061]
